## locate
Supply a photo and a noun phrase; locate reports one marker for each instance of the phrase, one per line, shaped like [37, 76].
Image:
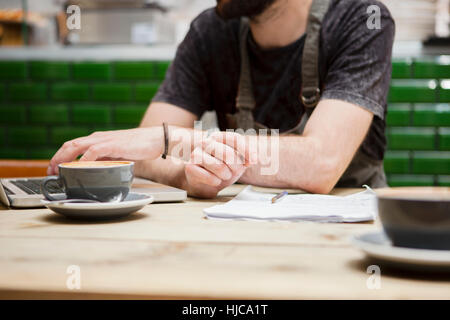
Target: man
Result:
[338, 141]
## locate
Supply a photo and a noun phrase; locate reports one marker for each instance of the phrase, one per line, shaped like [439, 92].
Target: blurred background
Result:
[60, 79]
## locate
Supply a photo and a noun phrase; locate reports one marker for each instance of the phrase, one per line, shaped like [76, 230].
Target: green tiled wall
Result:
[418, 123]
[43, 104]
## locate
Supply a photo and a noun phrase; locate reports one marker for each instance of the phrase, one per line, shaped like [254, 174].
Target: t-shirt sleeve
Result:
[360, 60]
[185, 84]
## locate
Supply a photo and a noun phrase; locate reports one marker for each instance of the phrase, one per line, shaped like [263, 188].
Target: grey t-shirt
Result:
[355, 66]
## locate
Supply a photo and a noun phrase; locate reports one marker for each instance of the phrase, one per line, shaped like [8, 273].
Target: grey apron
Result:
[362, 169]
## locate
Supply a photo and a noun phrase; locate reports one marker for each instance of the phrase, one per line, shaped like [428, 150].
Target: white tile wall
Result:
[415, 18]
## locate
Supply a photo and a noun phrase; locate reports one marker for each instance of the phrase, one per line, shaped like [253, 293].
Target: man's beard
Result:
[230, 9]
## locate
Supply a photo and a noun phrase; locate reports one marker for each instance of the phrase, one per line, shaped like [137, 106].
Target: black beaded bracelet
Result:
[166, 140]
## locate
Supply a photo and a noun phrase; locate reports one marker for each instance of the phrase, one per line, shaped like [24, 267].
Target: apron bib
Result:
[362, 169]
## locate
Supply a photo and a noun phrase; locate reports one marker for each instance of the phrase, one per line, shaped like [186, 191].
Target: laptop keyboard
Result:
[8, 192]
[33, 186]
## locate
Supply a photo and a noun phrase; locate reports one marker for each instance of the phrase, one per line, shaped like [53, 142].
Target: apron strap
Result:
[310, 93]
[245, 101]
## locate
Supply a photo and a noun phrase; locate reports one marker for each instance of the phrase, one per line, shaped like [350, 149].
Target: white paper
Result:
[253, 205]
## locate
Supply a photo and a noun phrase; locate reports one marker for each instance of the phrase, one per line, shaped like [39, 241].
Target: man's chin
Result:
[232, 9]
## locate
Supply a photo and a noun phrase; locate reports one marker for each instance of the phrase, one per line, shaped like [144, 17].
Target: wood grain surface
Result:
[171, 251]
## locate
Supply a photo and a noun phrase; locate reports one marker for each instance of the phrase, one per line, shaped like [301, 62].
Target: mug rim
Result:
[120, 163]
[416, 194]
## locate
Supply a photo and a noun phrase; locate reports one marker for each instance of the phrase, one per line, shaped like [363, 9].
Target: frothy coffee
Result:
[94, 164]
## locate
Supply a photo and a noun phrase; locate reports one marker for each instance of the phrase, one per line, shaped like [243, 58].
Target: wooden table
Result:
[172, 251]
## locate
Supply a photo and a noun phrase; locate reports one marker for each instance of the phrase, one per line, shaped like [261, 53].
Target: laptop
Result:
[26, 192]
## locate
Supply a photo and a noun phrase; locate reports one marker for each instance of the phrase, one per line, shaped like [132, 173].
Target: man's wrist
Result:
[155, 143]
[182, 182]
[139, 168]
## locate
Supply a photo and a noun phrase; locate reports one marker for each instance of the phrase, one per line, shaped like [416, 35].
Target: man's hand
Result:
[133, 144]
[220, 162]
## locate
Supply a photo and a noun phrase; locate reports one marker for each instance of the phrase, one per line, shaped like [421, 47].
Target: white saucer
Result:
[102, 210]
[376, 245]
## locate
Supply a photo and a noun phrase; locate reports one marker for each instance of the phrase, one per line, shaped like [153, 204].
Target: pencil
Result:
[279, 196]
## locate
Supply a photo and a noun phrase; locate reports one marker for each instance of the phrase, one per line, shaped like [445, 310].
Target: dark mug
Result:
[416, 217]
[104, 181]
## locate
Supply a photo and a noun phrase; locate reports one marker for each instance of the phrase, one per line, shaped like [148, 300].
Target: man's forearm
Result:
[316, 160]
[170, 171]
[167, 171]
[295, 162]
